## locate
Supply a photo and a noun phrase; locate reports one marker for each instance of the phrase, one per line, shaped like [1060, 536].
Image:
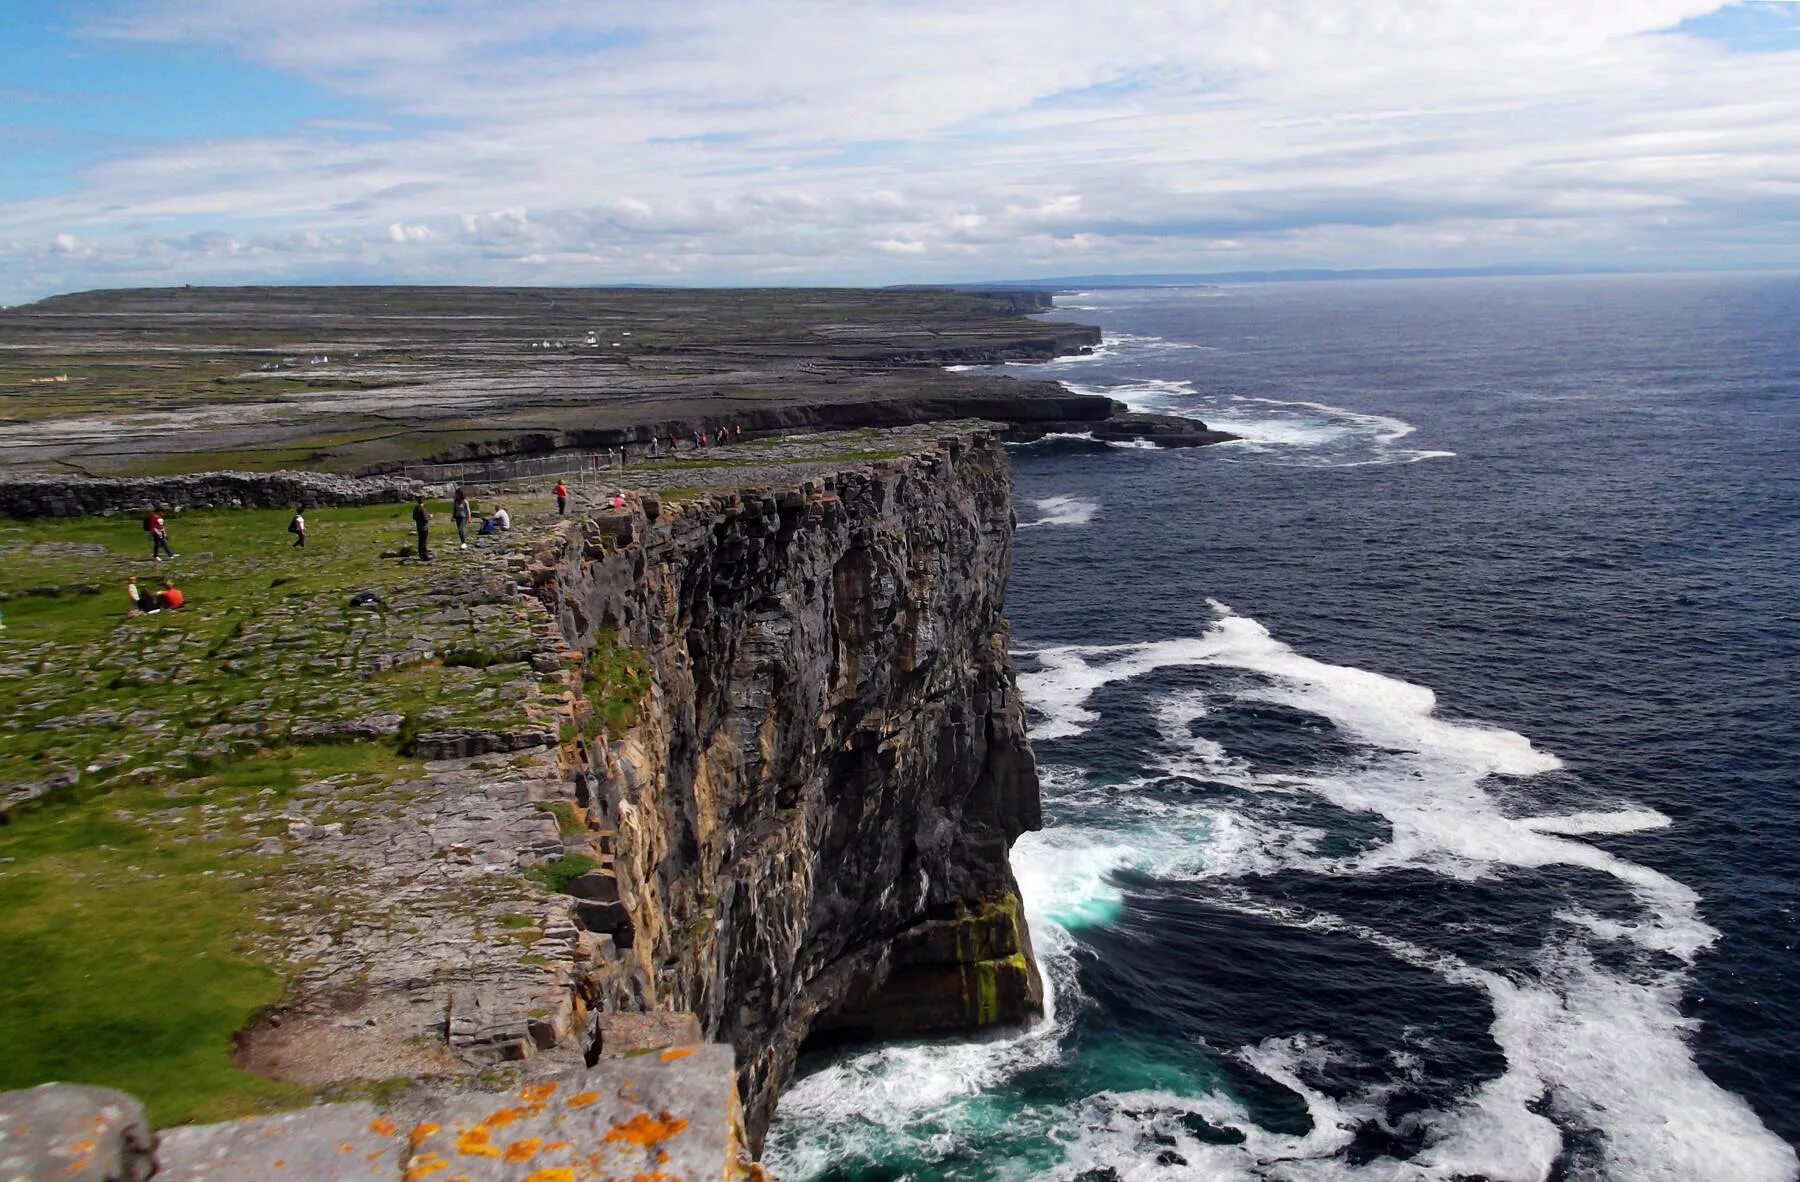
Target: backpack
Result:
[294, 525]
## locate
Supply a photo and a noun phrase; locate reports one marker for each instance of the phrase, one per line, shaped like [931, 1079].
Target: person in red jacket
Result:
[562, 498]
[159, 537]
[170, 597]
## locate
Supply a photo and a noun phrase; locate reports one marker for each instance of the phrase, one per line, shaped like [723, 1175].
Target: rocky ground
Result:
[308, 845]
[343, 379]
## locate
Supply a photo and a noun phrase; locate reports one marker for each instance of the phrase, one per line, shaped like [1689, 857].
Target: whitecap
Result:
[1063, 510]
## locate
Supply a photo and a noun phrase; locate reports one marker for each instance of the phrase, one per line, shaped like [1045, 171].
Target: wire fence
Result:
[576, 467]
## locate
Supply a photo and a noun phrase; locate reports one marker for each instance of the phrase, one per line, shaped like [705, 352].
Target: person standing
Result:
[422, 523]
[297, 527]
[461, 514]
[159, 535]
[562, 498]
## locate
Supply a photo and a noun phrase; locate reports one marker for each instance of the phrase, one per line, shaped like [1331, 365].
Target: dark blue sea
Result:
[1421, 773]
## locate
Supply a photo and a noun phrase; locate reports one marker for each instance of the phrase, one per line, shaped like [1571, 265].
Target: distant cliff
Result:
[806, 817]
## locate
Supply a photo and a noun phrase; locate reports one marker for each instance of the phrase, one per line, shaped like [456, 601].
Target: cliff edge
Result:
[806, 815]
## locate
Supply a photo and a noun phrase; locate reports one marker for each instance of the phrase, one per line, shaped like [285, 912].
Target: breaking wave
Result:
[1062, 511]
[1594, 1043]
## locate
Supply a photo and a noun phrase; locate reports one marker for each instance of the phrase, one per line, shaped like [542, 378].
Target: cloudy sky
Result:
[830, 141]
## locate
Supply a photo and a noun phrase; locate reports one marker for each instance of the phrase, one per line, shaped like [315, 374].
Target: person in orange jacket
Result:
[562, 498]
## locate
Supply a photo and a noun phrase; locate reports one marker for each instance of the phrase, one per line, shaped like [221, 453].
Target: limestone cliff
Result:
[803, 797]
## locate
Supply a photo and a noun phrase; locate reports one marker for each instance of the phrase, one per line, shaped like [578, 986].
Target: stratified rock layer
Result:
[809, 809]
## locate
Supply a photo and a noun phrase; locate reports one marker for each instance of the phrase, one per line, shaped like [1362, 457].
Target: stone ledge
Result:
[669, 1115]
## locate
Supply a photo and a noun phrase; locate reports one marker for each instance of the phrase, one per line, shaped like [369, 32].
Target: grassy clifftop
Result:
[142, 901]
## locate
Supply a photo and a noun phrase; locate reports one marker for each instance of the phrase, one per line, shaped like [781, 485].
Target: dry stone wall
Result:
[73, 496]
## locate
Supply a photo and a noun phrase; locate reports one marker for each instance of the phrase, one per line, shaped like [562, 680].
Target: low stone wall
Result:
[74, 496]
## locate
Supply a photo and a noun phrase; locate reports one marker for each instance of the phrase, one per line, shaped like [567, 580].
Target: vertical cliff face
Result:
[805, 814]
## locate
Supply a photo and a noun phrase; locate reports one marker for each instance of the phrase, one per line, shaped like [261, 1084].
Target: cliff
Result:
[802, 821]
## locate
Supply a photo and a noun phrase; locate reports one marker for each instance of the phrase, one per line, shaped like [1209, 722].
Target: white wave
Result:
[1584, 1044]
[1143, 394]
[1289, 431]
[1063, 511]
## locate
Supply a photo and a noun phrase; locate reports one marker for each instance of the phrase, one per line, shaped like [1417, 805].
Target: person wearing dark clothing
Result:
[159, 536]
[422, 523]
[460, 513]
[562, 498]
[297, 526]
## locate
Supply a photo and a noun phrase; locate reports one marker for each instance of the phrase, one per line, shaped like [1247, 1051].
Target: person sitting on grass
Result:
[141, 601]
[170, 597]
[499, 521]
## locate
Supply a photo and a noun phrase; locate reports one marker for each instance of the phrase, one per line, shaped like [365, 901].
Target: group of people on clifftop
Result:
[462, 514]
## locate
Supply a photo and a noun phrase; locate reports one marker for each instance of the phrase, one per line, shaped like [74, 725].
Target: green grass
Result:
[125, 924]
[569, 821]
[136, 918]
[555, 876]
[615, 680]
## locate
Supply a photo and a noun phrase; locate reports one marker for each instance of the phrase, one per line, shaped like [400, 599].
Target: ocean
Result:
[1420, 772]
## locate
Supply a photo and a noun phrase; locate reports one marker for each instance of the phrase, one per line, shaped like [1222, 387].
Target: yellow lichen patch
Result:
[423, 1165]
[674, 1053]
[550, 1174]
[522, 1150]
[506, 1116]
[421, 1131]
[646, 1130]
[383, 1126]
[583, 1099]
[473, 1142]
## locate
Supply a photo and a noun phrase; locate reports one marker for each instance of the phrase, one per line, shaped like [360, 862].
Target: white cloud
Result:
[737, 140]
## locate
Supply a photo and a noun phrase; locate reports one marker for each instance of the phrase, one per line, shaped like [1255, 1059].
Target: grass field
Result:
[136, 913]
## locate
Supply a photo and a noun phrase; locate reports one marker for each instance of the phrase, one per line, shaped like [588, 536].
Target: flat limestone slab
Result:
[334, 1143]
[73, 1134]
[668, 1116]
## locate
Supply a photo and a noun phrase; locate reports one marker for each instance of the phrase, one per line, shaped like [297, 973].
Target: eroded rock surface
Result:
[812, 807]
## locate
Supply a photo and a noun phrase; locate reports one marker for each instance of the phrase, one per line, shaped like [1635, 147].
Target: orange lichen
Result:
[537, 1093]
[674, 1053]
[422, 1165]
[549, 1145]
[522, 1150]
[506, 1116]
[421, 1131]
[473, 1142]
[550, 1174]
[646, 1130]
[383, 1126]
[346, 1147]
[583, 1099]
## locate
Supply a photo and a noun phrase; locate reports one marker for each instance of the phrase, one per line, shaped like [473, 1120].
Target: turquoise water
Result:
[1418, 771]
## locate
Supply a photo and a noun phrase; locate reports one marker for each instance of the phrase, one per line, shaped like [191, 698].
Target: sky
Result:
[156, 142]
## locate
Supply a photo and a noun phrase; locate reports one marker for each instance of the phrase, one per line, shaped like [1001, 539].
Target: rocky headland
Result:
[732, 754]
[370, 380]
